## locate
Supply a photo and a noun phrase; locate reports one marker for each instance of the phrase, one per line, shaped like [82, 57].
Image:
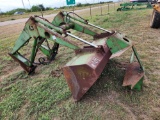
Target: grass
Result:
[43, 96]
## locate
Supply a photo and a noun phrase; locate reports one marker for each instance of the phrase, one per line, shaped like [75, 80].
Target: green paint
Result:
[131, 5]
[64, 43]
[34, 51]
[45, 50]
[21, 41]
[81, 59]
[48, 24]
[83, 29]
[22, 59]
[50, 35]
[68, 17]
[115, 44]
[139, 84]
[136, 54]
[73, 23]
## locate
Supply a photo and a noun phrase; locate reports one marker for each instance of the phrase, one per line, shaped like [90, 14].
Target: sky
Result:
[6, 5]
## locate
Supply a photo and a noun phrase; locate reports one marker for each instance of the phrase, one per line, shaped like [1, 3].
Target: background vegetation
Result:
[40, 7]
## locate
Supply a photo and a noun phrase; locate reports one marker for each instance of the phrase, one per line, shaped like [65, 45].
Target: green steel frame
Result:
[131, 5]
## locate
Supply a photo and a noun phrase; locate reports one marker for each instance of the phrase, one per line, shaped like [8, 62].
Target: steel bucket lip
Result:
[133, 75]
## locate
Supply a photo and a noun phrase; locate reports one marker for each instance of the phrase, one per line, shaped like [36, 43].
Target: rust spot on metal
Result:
[86, 49]
[133, 75]
[28, 69]
[56, 34]
[102, 35]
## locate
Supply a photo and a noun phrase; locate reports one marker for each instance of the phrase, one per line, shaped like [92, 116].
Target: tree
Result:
[79, 5]
[41, 7]
[36, 8]
[49, 8]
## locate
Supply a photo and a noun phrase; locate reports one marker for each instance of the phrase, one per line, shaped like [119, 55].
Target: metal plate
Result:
[28, 69]
[133, 75]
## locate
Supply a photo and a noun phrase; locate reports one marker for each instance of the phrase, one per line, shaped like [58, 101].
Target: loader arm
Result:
[79, 24]
[39, 30]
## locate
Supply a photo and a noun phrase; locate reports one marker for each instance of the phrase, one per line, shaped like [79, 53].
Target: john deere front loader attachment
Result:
[83, 70]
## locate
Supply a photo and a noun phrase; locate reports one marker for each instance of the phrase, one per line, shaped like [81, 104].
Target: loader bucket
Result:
[85, 68]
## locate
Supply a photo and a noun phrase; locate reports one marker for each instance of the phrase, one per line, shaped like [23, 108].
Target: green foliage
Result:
[49, 8]
[88, 4]
[41, 7]
[83, 5]
[15, 10]
[64, 7]
[79, 5]
[109, 2]
[36, 8]
[102, 2]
